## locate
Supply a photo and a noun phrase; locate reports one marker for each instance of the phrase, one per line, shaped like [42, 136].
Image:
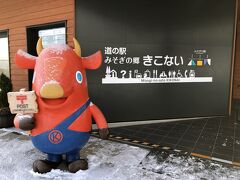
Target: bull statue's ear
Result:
[92, 62]
[25, 60]
[77, 47]
[39, 47]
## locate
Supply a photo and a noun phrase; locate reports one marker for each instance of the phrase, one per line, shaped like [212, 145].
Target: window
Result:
[4, 54]
[53, 36]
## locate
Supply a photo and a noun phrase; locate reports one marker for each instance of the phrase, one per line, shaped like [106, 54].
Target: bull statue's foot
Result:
[77, 165]
[44, 166]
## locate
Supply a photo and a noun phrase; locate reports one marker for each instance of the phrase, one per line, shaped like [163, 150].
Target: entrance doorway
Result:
[53, 33]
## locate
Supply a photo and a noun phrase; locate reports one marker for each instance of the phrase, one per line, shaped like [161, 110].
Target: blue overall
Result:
[60, 140]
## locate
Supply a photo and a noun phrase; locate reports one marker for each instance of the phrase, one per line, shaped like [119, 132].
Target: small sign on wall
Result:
[23, 102]
[155, 68]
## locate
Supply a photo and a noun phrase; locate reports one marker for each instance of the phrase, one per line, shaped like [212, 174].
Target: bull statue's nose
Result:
[51, 90]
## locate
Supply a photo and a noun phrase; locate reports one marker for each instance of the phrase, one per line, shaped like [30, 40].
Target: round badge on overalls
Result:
[55, 136]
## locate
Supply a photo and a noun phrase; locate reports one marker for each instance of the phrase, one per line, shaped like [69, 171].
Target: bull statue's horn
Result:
[39, 46]
[77, 47]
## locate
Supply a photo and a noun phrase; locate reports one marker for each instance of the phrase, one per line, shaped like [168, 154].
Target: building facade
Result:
[20, 19]
[17, 15]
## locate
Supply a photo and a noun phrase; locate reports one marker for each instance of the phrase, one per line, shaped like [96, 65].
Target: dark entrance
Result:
[51, 35]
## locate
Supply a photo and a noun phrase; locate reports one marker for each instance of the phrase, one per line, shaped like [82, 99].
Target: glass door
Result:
[4, 54]
[53, 33]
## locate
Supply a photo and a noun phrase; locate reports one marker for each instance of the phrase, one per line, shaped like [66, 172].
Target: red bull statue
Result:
[64, 120]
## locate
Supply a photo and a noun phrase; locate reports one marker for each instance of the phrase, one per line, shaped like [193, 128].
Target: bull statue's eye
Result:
[79, 77]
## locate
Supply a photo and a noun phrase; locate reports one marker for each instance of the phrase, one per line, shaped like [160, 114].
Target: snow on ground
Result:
[108, 160]
[176, 166]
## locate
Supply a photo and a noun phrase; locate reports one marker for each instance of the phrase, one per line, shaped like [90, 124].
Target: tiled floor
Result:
[214, 137]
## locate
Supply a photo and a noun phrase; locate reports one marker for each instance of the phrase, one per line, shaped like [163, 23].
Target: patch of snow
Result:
[24, 116]
[13, 129]
[58, 49]
[51, 82]
[110, 160]
[16, 159]
[26, 55]
[187, 167]
[225, 142]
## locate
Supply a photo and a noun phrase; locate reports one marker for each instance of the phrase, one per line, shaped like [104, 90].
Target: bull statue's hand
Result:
[26, 122]
[104, 133]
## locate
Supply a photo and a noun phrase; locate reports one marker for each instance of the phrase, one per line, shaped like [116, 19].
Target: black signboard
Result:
[161, 59]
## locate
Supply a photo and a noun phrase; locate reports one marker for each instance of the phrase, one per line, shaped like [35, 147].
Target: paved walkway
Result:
[211, 138]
